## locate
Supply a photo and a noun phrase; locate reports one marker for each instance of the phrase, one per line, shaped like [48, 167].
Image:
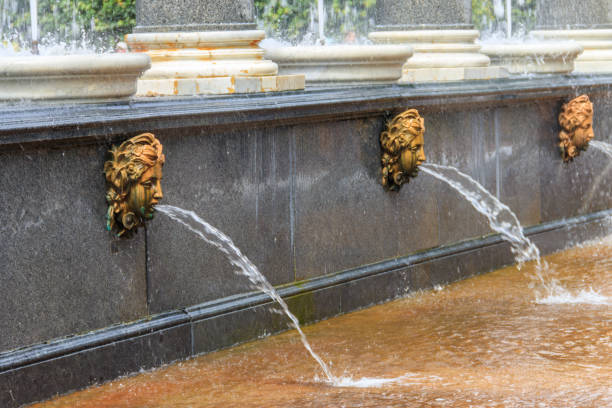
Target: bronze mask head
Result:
[402, 149]
[133, 177]
[576, 120]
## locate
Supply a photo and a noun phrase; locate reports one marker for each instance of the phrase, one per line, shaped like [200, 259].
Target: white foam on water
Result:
[375, 382]
[366, 382]
[561, 296]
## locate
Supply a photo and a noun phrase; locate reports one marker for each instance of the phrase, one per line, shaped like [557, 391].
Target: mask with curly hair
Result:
[576, 120]
[133, 178]
[402, 149]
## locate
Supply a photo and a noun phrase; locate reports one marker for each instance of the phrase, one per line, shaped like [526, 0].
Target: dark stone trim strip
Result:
[64, 346]
[243, 301]
[94, 123]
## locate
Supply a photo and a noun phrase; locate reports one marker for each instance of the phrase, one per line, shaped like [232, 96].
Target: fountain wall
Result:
[294, 179]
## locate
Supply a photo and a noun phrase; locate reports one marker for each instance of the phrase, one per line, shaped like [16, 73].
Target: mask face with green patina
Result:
[133, 178]
[402, 149]
[146, 192]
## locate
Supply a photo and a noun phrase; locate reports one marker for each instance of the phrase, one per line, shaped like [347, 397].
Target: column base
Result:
[597, 44]
[204, 63]
[536, 58]
[416, 75]
[219, 85]
[441, 55]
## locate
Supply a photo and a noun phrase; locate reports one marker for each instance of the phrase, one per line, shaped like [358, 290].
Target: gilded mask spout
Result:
[402, 149]
[576, 121]
[133, 179]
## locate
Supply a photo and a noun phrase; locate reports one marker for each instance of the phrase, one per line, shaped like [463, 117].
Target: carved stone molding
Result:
[576, 121]
[133, 178]
[402, 149]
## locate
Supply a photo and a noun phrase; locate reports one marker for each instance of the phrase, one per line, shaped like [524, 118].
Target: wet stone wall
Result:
[297, 189]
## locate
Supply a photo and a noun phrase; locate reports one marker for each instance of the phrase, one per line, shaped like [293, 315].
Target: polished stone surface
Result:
[194, 15]
[567, 14]
[463, 139]
[523, 133]
[430, 14]
[343, 217]
[61, 271]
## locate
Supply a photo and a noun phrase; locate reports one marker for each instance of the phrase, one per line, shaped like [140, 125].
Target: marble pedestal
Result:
[210, 62]
[441, 55]
[535, 57]
[597, 44]
[75, 78]
[342, 63]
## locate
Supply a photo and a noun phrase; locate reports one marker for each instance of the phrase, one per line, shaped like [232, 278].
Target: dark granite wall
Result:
[60, 270]
[301, 199]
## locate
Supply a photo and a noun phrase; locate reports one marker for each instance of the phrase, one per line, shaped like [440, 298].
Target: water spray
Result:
[34, 19]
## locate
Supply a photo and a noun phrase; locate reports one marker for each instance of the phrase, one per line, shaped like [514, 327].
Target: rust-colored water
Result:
[482, 342]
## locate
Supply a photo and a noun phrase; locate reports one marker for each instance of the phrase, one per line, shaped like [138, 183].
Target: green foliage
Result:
[523, 16]
[295, 20]
[101, 23]
[482, 14]
[287, 19]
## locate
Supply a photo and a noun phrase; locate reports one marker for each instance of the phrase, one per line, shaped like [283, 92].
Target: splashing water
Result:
[498, 9]
[503, 221]
[602, 146]
[221, 241]
[501, 218]
[564, 297]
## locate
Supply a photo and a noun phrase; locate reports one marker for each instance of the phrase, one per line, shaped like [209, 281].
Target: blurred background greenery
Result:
[485, 19]
[102, 23]
[98, 23]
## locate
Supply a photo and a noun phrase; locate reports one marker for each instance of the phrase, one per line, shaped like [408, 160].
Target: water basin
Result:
[486, 341]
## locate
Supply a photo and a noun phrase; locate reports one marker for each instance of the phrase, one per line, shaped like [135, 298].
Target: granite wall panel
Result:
[61, 272]
[465, 140]
[239, 183]
[525, 133]
[343, 217]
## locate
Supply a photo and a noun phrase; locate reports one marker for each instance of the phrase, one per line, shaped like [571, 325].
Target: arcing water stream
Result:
[245, 267]
[500, 216]
[504, 221]
[603, 146]
[501, 219]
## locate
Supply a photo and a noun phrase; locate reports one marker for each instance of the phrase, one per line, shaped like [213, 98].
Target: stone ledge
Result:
[24, 125]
